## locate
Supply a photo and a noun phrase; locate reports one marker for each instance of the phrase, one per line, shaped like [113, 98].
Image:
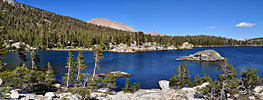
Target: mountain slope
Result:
[112, 24]
[43, 29]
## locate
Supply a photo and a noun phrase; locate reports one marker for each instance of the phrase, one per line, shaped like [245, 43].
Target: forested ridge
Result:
[43, 29]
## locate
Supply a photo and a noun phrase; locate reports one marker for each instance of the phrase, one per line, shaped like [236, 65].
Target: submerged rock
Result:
[115, 74]
[206, 55]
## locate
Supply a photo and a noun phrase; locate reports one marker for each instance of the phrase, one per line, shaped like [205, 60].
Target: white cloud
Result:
[211, 27]
[245, 24]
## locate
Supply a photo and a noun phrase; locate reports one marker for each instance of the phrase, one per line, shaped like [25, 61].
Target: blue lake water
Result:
[148, 68]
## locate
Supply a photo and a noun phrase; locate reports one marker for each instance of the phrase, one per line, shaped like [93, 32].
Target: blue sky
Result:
[238, 19]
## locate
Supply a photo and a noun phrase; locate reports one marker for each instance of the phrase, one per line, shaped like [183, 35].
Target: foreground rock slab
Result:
[152, 94]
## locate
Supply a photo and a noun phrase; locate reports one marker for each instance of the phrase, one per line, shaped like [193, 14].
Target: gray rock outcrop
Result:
[58, 85]
[134, 47]
[153, 94]
[1, 81]
[206, 55]
[51, 95]
[164, 84]
[258, 89]
[201, 86]
[14, 94]
[104, 90]
[186, 45]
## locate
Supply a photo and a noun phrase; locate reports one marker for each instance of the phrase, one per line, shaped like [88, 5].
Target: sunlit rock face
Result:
[112, 24]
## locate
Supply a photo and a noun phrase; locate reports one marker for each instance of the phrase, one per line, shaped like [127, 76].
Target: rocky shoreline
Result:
[122, 48]
[146, 47]
[164, 93]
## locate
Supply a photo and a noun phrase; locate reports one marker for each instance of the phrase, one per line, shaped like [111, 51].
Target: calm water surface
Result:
[148, 68]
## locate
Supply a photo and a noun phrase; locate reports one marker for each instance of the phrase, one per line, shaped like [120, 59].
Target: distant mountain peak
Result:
[112, 24]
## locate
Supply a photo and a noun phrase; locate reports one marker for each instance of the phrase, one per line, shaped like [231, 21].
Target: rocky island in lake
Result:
[206, 55]
[115, 74]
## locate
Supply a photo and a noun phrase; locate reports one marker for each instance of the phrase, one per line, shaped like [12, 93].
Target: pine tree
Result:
[35, 59]
[227, 79]
[21, 75]
[182, 78]
[22, 53]
[2, 47]
[109, 82]
[83, 92]
[97, 56]
[226, 84]
[69, 76]
[127, 86]
[250, 79]
[80, 67]
[135, 87]
[93, 83]
[210, 91]
[198, 80]
[49, 74]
